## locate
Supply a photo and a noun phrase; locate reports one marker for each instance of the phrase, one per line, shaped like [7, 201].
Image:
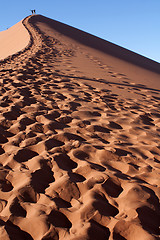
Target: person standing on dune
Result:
[33, 11]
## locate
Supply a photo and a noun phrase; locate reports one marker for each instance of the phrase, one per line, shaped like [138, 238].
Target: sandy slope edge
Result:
[24, 54]
[13, 40]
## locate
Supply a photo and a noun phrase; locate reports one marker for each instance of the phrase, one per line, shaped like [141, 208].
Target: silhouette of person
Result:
[32, 12]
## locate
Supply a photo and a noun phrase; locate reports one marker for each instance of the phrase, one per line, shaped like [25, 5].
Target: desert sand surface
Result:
[13, 40]
[79, 138]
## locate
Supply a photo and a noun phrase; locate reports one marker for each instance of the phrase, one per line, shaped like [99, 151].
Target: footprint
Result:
[80, 154]
[24, 155]
[149, 219]
[64, 162]
[97, 231]
[75, 177]
[58, 219]
[3, 203]
[97, 128]
[16, 209]
[114, 125]
[11, 230]
[42, 177]
[52, 142]
[1, 150]
[122, 152]
[112, 187]
[27, 194]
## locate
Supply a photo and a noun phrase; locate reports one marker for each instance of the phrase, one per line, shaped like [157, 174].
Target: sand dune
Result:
[79, 138]
[13, 40]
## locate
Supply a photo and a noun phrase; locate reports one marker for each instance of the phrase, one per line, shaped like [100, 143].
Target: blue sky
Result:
[134, 25]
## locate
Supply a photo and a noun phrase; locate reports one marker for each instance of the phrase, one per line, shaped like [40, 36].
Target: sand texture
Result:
[79, 138]
[13, 40]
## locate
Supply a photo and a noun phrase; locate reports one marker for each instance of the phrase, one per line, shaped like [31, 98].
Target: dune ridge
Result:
[79, 140]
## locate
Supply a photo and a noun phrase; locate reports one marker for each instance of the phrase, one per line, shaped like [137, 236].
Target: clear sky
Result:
[134, 25]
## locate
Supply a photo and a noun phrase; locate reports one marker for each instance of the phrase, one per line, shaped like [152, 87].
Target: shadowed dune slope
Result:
[100, 44]
[79, 139]
[13, 40]
[124, 61]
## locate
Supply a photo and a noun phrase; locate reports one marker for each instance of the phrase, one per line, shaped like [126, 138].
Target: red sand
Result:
[79, 137]
[13, 40]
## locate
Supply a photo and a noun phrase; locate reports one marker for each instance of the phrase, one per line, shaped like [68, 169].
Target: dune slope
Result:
[79, 139]
[13, 40]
